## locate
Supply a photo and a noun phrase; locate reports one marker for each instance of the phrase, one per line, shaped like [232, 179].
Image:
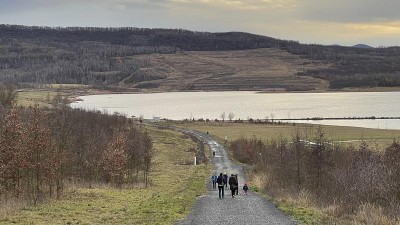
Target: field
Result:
[175, 184]
[346, 135]
[30, 98]
[260, 69]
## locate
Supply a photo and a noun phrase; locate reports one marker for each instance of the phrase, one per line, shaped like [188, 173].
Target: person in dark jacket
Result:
[233, 184]
[245, 189]
[237, 184]
[220, 182]
[225, 180]
[214, 180]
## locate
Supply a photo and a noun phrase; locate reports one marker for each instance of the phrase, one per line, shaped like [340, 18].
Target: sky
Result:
[344, 22]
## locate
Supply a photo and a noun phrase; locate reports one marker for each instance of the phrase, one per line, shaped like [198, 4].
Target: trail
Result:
[250, 209]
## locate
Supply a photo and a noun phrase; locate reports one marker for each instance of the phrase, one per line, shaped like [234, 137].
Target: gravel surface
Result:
[243, 209]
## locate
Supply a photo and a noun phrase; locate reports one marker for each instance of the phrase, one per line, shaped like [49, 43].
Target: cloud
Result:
[348, 11]
[242, 4]
[309, 21]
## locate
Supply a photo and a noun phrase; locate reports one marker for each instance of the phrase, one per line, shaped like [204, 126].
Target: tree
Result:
[115, 160]
[8, 95]
[223, 115]
[392, 163]
[231, 116]
[298, 147]
[147, 157]
[12, 152]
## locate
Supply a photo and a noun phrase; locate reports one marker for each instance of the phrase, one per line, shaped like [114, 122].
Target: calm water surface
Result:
[246, 104]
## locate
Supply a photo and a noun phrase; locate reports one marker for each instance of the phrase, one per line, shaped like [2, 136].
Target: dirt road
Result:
[250, 209]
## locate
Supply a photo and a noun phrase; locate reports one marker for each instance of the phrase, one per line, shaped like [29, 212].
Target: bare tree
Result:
[231, 116]
[223, 116]
[8, 95]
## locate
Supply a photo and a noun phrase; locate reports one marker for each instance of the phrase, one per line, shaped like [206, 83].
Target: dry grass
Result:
[37, 97]
[258, 69]
[370, 215]
[378, 139]
[174, 188]
[303, 209]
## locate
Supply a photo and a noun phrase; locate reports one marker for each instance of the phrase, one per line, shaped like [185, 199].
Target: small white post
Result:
[195, 163]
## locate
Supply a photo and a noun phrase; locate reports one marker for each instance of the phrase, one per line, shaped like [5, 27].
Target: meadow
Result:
[174, 185]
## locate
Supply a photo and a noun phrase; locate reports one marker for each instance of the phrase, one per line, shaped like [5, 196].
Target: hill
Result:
[362, 46]
[176, 59]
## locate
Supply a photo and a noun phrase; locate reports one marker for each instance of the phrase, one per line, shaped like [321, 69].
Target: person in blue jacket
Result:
[214, 180]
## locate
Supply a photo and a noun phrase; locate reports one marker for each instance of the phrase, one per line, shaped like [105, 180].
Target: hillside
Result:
[259, 69]
[175, 59]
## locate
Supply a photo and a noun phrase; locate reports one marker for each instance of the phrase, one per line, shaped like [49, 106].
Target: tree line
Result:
[329, 173]
[42, 150]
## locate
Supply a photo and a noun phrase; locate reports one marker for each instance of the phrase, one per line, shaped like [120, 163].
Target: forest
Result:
[43, 150]
[104, 57]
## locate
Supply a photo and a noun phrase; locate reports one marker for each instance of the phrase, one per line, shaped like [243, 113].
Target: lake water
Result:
[247, 104]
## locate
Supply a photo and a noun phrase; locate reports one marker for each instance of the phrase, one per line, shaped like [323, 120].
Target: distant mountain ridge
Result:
[364, 46]
[108, 56]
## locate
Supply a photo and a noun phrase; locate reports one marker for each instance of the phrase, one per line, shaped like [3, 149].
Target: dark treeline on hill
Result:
[327, 174]
[43, 150]
[104, 56]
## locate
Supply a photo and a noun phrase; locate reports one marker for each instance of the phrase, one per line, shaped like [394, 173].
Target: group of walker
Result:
[222, 181]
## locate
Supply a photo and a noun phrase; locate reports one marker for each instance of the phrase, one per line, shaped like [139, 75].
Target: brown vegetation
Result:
[259, 69]
[352, 181]
[40, 149]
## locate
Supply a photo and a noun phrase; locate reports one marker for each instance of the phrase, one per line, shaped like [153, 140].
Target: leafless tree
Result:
[231, 116]
[8, 95]
[223, 116]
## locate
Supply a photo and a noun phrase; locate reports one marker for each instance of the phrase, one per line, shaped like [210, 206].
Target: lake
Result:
[248, 104]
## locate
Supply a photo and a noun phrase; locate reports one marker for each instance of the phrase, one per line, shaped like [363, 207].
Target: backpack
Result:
[220, 181]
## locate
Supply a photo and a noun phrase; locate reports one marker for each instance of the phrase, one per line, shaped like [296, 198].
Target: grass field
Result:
[374, 137]
[174, 188]
[39, 97]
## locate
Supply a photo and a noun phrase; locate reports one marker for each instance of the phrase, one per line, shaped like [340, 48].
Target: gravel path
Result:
[250, 209]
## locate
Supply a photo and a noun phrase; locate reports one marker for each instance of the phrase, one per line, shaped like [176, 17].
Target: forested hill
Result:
[136, 37]
[131, 57]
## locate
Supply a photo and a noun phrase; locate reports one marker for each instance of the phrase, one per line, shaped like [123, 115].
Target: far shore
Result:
[74, 92]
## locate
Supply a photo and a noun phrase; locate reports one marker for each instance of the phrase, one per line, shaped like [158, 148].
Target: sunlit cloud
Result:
[379, 28]
[250, 4]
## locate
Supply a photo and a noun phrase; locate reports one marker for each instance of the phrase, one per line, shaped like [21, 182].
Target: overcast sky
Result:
[345, 22]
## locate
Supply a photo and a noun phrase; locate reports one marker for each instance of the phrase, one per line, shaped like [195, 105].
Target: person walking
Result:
[245, 189]
[225, 180]
[220, 182]
[232, 184]
[214, 180]
[237, 184]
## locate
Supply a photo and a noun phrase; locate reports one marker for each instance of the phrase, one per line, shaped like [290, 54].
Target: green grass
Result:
[174, 188]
